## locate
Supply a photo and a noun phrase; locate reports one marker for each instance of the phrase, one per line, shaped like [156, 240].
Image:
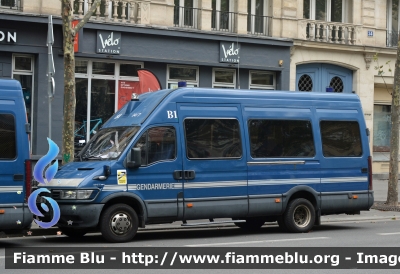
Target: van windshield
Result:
[107, 144]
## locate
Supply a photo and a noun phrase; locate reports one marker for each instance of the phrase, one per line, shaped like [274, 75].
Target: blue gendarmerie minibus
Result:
[15, 164]
[193, 153]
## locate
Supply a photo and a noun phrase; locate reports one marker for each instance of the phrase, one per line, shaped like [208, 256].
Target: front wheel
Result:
[119, 223]
[299, 216]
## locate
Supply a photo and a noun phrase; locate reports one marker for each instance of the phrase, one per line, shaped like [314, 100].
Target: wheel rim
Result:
[120, 223]
[302, 216]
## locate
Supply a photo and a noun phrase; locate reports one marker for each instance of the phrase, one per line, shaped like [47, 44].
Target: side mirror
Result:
[134, 158]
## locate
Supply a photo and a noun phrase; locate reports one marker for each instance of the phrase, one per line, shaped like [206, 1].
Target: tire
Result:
[119, 223]
[251, 224]
[73, 232]
[299, 216]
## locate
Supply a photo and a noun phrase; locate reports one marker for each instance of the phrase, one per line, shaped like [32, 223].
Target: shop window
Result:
[182, 73]
[262, 80]
[212, 138]
[281, 138]
[341, 139]
[223, 78]
[101, 89]
[382, 128]
[23, 72]
[328, 10]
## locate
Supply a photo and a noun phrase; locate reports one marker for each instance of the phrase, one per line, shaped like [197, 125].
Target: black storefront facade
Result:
[107, 58]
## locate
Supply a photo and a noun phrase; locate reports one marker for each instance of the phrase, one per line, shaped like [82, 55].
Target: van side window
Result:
[213, 138]
[8, 147]
[157, 144]
[341, 139]
[281, 138]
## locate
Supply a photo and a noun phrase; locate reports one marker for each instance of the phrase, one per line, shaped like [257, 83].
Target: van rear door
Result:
[344, 161]
[14, 150]
[214, 164]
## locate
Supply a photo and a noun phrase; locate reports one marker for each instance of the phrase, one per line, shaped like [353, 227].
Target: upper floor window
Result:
[328, 10]
[222, 17]
[186, 13]
[392, 23]
[257, 17]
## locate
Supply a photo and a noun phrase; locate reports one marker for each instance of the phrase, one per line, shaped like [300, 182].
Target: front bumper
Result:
[77, 215]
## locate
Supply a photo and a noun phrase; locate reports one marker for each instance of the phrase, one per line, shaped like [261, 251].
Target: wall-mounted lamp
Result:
[280, 63]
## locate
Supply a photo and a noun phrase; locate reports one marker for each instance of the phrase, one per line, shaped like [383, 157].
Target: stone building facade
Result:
[298, 45]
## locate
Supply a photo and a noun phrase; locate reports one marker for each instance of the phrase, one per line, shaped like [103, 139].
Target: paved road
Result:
[382, 232]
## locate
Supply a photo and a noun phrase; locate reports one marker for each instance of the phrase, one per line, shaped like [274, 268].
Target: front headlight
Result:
[76, 194]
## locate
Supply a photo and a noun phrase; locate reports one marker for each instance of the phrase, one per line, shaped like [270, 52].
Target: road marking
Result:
[392, 233]
[2, 257]
[266, 241]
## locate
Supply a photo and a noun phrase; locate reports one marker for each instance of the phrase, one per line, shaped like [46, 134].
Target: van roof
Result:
[136, 112]
[10, 88]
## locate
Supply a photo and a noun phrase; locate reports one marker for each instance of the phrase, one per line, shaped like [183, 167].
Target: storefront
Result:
[107, 60]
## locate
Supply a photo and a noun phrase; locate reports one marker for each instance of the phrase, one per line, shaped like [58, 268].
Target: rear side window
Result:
[281, 138]
[157, 144]
[212, 138]
[8, 147]
[341, 139]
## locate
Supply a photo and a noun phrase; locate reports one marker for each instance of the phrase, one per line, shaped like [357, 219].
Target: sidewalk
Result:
[372, 215]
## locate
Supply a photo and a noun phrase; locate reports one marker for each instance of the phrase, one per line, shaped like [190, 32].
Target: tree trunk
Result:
[68, 133]
[69, 84]
[392, 197]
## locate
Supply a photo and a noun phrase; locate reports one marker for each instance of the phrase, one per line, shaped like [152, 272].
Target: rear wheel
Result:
[299, 216]
[251, 223]
[119, 223]
[73, 232]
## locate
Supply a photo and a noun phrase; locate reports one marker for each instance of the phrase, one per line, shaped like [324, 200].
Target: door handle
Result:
[185, 174]
[189, 174]
[178, 174]
[364, 170]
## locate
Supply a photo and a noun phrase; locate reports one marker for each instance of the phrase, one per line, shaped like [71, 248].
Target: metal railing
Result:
[392, 38]
[186, 17]
[331, 32]
[11, 4]
[258, 25]
[111, 10]
[223, 21]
